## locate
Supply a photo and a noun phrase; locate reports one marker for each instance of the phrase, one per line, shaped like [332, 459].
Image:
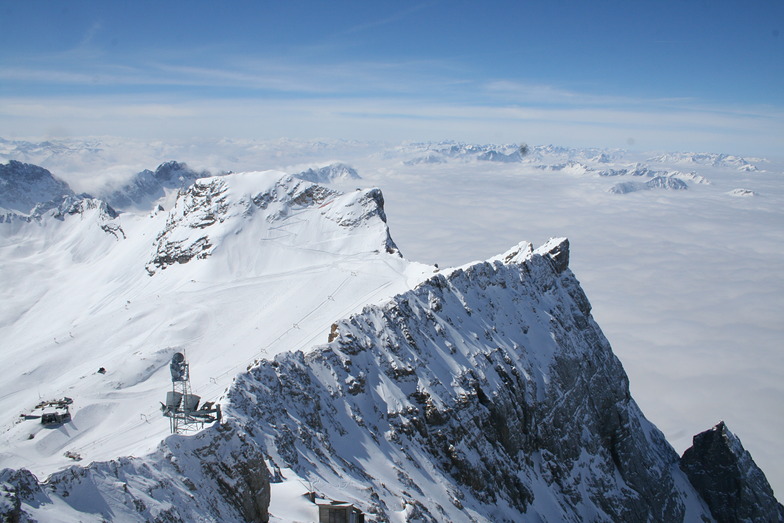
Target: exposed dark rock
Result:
[558, 251]
[23, 186]
[19, 488]
[217, 475]
[727, 478]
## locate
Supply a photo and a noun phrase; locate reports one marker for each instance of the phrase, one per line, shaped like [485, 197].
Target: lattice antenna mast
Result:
[182, 406]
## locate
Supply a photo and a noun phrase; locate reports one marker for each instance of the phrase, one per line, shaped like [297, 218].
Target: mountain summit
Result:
[148, 186]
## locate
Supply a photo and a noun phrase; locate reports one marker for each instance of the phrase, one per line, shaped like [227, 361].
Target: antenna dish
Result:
[182, 406]
[178, 367]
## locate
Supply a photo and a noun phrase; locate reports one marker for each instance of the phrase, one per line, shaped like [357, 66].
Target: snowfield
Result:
[80, 299]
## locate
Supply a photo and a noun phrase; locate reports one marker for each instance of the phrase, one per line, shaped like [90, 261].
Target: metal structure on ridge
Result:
[182, 406]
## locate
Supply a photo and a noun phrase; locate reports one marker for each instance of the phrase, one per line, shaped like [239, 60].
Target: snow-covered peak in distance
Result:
[275, 207]
[712, 159]
[148, 186]
[23, 186]
[441, 152]
[286, 259]
[331, 173]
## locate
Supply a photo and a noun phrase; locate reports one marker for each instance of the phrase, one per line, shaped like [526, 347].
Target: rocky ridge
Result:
[489, 390]
[212, 208]
[216, 475]
[725, 475]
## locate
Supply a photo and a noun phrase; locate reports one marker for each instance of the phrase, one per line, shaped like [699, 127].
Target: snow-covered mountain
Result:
[148, 186]
[24, 186]
[484, 393]
[657, 182]
[331, 173]
[282, 258]
[712, 159]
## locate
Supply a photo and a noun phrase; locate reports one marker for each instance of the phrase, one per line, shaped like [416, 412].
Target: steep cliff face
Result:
[726, 476]
[486, 394]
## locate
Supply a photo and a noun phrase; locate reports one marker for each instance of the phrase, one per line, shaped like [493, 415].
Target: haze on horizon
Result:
[667, 76]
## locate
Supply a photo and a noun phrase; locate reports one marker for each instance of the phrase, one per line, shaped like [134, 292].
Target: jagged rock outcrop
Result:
[217, 475]
[203, 204]
[491, 394]
[727, 478]
[18, 488]
[486, 393]
[29, 193]
[61, 207]
[214, 208]
[496, 156]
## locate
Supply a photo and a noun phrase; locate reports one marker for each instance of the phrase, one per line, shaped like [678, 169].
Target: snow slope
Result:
[487, 393]
[286, 258]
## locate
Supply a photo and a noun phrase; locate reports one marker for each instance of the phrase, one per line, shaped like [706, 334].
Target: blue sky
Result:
[684, 75]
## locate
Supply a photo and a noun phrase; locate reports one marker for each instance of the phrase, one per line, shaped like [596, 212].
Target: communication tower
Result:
[182, 406]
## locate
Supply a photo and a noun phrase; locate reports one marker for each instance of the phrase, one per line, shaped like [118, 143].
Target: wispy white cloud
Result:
[524, 92]
[395, 100]
[239, 75]
[90, 34]
[393, 118]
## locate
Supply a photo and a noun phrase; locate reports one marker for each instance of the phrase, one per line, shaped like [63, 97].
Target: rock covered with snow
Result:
[657, 182]
[334, 172]
[148, 186]
[725, 475]
[712, 159]
[31, 193]
[487, 393]
[570, 167]
[440, 152]
[217, 475]
[213, 209]
[742, 193]
[24, 186]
